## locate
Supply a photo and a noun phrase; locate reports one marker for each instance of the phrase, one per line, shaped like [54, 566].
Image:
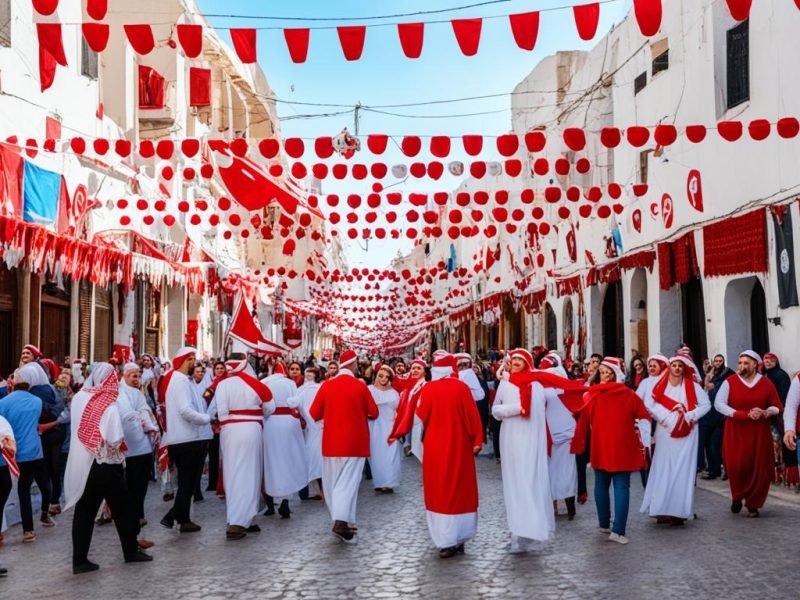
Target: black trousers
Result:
[709, 448]
[581, 462]
[213, 463]
[188, 460]
[137, 478]
[494, 427]
[105, 482]
[483, 409]
[52, 441]
[5, 488]
[28, 472]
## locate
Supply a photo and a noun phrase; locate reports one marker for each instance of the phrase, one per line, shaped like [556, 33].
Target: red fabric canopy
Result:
[468, 35]
[191, 39]
[199, 87]
[141, 38]
[297, 43]
[352, 40]
[736, 245]
[411, 36]
[45, 7]
[97, 9]
[525, 28]
[244, 42]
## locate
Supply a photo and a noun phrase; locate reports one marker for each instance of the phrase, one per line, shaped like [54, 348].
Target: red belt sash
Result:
[291, 412]
[244, 412]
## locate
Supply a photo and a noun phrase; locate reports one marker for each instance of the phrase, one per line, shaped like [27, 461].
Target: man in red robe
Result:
[749, 401]
[344, 404]
[452, 436]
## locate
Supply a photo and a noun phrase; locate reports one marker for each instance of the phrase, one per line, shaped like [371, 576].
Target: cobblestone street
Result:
[718, 555]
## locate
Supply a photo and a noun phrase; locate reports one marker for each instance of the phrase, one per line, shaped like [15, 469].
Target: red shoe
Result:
[582, 498]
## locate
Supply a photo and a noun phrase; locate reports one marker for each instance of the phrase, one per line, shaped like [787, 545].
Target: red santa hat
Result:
[33, 350]
[752, 355]
[420, 362]
[771, 356]
[463, 357]
[689, 368]
[524, 355]
[347, 359]
[443, 359]
[615, 364]
[181, 355]
[280, 369]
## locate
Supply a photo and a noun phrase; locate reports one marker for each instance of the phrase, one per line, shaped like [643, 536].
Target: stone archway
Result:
[550, 327]
[746, 316]
[613, 333]
[693, 312]
[639, 326]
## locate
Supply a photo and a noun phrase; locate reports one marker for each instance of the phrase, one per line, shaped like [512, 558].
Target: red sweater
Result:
[615, 443]
[344, 404]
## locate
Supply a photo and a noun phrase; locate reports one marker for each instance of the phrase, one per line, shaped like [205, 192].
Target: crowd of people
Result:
[271, 430]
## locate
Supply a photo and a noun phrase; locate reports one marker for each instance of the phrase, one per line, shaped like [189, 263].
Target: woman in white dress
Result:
[313, 431]
[385, 459]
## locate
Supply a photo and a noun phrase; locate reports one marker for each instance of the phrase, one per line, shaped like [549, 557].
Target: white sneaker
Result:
[620, 539]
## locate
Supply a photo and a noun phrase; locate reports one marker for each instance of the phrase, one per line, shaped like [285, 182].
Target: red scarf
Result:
[102, 397]
[572, 396]
[163, 384]
[404, 417]
[682, 428]
[13, 467]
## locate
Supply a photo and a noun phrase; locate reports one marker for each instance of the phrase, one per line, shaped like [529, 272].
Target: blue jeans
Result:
[622, 492]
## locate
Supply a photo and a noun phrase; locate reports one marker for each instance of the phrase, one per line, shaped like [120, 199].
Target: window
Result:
[151, 88]
[88, 60]
[738, 60]
[644, 160]
[659, 51]
[640, 83]
[5, 23]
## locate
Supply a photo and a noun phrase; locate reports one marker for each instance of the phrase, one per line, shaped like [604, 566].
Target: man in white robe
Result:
[676, 402]
[94, 469]
[313, 432]
[525, 468]
[285, 465]
[561, 424]
[242, 403]
[385, 458]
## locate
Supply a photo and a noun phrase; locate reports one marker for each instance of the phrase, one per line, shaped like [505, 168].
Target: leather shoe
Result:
[254, 529]
[448, 552]
[235, 532]
[145, 544]
[138, 557]
[3, 572]
[708, 476]
[84, 567]
[736, 507]
[189, 527]
[168, 523]
[283, 510]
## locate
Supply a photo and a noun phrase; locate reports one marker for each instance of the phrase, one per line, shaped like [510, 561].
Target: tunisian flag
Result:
[452, 430]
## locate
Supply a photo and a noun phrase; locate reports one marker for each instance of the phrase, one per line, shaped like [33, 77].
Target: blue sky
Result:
[384, 75]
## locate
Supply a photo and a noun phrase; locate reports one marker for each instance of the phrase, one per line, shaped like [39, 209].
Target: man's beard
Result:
[745, 372]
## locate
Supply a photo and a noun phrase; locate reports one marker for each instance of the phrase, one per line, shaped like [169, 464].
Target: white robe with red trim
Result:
[241, 448]
[670, 486]
[285, 464]
[385, 460]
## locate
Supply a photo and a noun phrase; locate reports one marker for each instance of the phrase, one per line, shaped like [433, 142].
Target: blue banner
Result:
[40, 192]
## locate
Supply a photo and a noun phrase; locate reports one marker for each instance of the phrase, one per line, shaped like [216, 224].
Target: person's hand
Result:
[476, 450]
[8, 444]
[756, 414]
[790, 439]
[710, 386]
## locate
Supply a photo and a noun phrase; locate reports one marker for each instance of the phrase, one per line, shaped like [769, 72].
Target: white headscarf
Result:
[98, 374]
[33, 374]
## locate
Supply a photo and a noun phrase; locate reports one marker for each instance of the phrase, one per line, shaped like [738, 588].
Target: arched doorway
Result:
[613, 334]
[639, 327]
[693, 311]
[568, 319]
[550, 327]
[746, 317]
[8, 320]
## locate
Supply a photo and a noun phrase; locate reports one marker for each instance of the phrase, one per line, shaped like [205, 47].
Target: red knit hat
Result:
[347, 358]
[524, 355]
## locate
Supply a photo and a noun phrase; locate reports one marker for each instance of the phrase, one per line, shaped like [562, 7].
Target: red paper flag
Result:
[352, 40]
[191, 39]
[97, 9]
[96, 35]
[468, 35]
[244, 42]
[45, 7]
[411, 35]
[141, 38]
[586, 18]
[50, 39]
[648, 16]
[199, 87]
[525, 27]
[47, 68]
[740, 9]
[297, 43]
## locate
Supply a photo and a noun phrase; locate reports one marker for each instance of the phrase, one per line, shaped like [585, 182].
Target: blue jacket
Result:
[22, 410]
